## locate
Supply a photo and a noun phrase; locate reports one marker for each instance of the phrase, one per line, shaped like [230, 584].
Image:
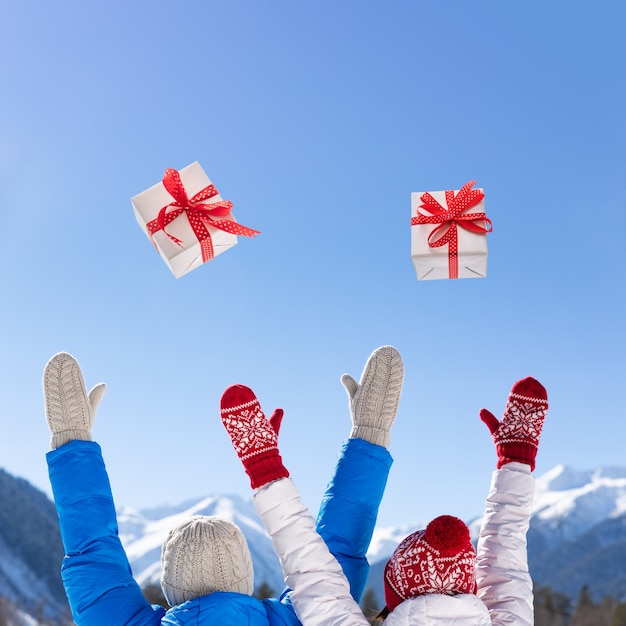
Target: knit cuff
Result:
[377, 436]
[265, 468]
[60, 438]
[519, 451]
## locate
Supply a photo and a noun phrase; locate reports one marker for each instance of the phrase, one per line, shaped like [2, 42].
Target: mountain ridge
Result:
[577, 538]
[31, 550]
[570, 505]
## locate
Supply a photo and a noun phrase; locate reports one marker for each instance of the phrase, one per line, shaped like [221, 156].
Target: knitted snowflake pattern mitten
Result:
[374, 401]
[70, 410]
[254, 438]
[517, 435]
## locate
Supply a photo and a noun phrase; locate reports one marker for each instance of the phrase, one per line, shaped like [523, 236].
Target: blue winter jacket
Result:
[97, 576]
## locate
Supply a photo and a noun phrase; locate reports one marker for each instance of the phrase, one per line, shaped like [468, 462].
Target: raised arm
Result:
[321, 594]
[96, 573]
[503, 579]
[349, 508]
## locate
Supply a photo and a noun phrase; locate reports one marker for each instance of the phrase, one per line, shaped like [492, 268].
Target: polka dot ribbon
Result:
[199, 215]
[448, 220]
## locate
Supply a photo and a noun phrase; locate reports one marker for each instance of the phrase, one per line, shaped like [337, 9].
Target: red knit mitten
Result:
[517, 435]
[254, 438]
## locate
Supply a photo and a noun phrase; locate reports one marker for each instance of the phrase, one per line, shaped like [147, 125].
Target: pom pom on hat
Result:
[439, 559]
[448, 535]
[202, 555]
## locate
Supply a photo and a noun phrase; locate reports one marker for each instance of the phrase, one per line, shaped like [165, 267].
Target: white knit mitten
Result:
[70, 410]
[374, 400]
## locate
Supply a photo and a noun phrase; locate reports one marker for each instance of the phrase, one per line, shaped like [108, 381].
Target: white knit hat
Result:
[202, 555]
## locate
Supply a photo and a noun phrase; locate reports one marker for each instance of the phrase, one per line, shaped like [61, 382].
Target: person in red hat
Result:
[435, 576]
[440, 559]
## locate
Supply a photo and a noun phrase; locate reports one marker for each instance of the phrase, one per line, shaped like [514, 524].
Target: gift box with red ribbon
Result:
[186, 219]
[448, 233]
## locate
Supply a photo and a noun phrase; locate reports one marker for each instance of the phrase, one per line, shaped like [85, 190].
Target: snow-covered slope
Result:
[577, 534]
[570, 502]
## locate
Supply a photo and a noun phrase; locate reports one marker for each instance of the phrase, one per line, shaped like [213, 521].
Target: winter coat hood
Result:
[226, 608]
[440, 610]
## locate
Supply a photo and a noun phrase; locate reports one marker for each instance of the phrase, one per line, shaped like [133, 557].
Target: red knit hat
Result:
[440, 559]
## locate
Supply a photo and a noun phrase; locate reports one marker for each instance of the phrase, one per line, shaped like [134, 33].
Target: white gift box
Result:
[433, 263]
[185, 256]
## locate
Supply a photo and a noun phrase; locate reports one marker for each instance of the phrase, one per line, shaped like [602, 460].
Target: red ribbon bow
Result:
[448, 220]
[199, 215]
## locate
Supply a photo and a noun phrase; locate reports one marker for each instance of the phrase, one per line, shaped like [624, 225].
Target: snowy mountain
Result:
[577, 534]
[30, 554]
[578, 531]
[577, 537]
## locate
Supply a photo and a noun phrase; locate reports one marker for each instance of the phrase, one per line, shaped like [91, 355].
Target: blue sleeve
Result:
[96, 574]
[280, 613]
[349, 508]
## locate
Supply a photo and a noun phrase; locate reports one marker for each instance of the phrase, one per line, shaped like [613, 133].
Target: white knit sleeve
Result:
[502, 575]
[321, 593]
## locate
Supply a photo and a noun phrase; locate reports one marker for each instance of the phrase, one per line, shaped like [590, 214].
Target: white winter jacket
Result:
[321, 594]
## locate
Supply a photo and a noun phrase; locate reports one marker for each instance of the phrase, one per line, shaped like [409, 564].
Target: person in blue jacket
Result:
[207, 575]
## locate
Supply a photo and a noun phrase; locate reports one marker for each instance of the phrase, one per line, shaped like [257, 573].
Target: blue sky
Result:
[317, 120]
